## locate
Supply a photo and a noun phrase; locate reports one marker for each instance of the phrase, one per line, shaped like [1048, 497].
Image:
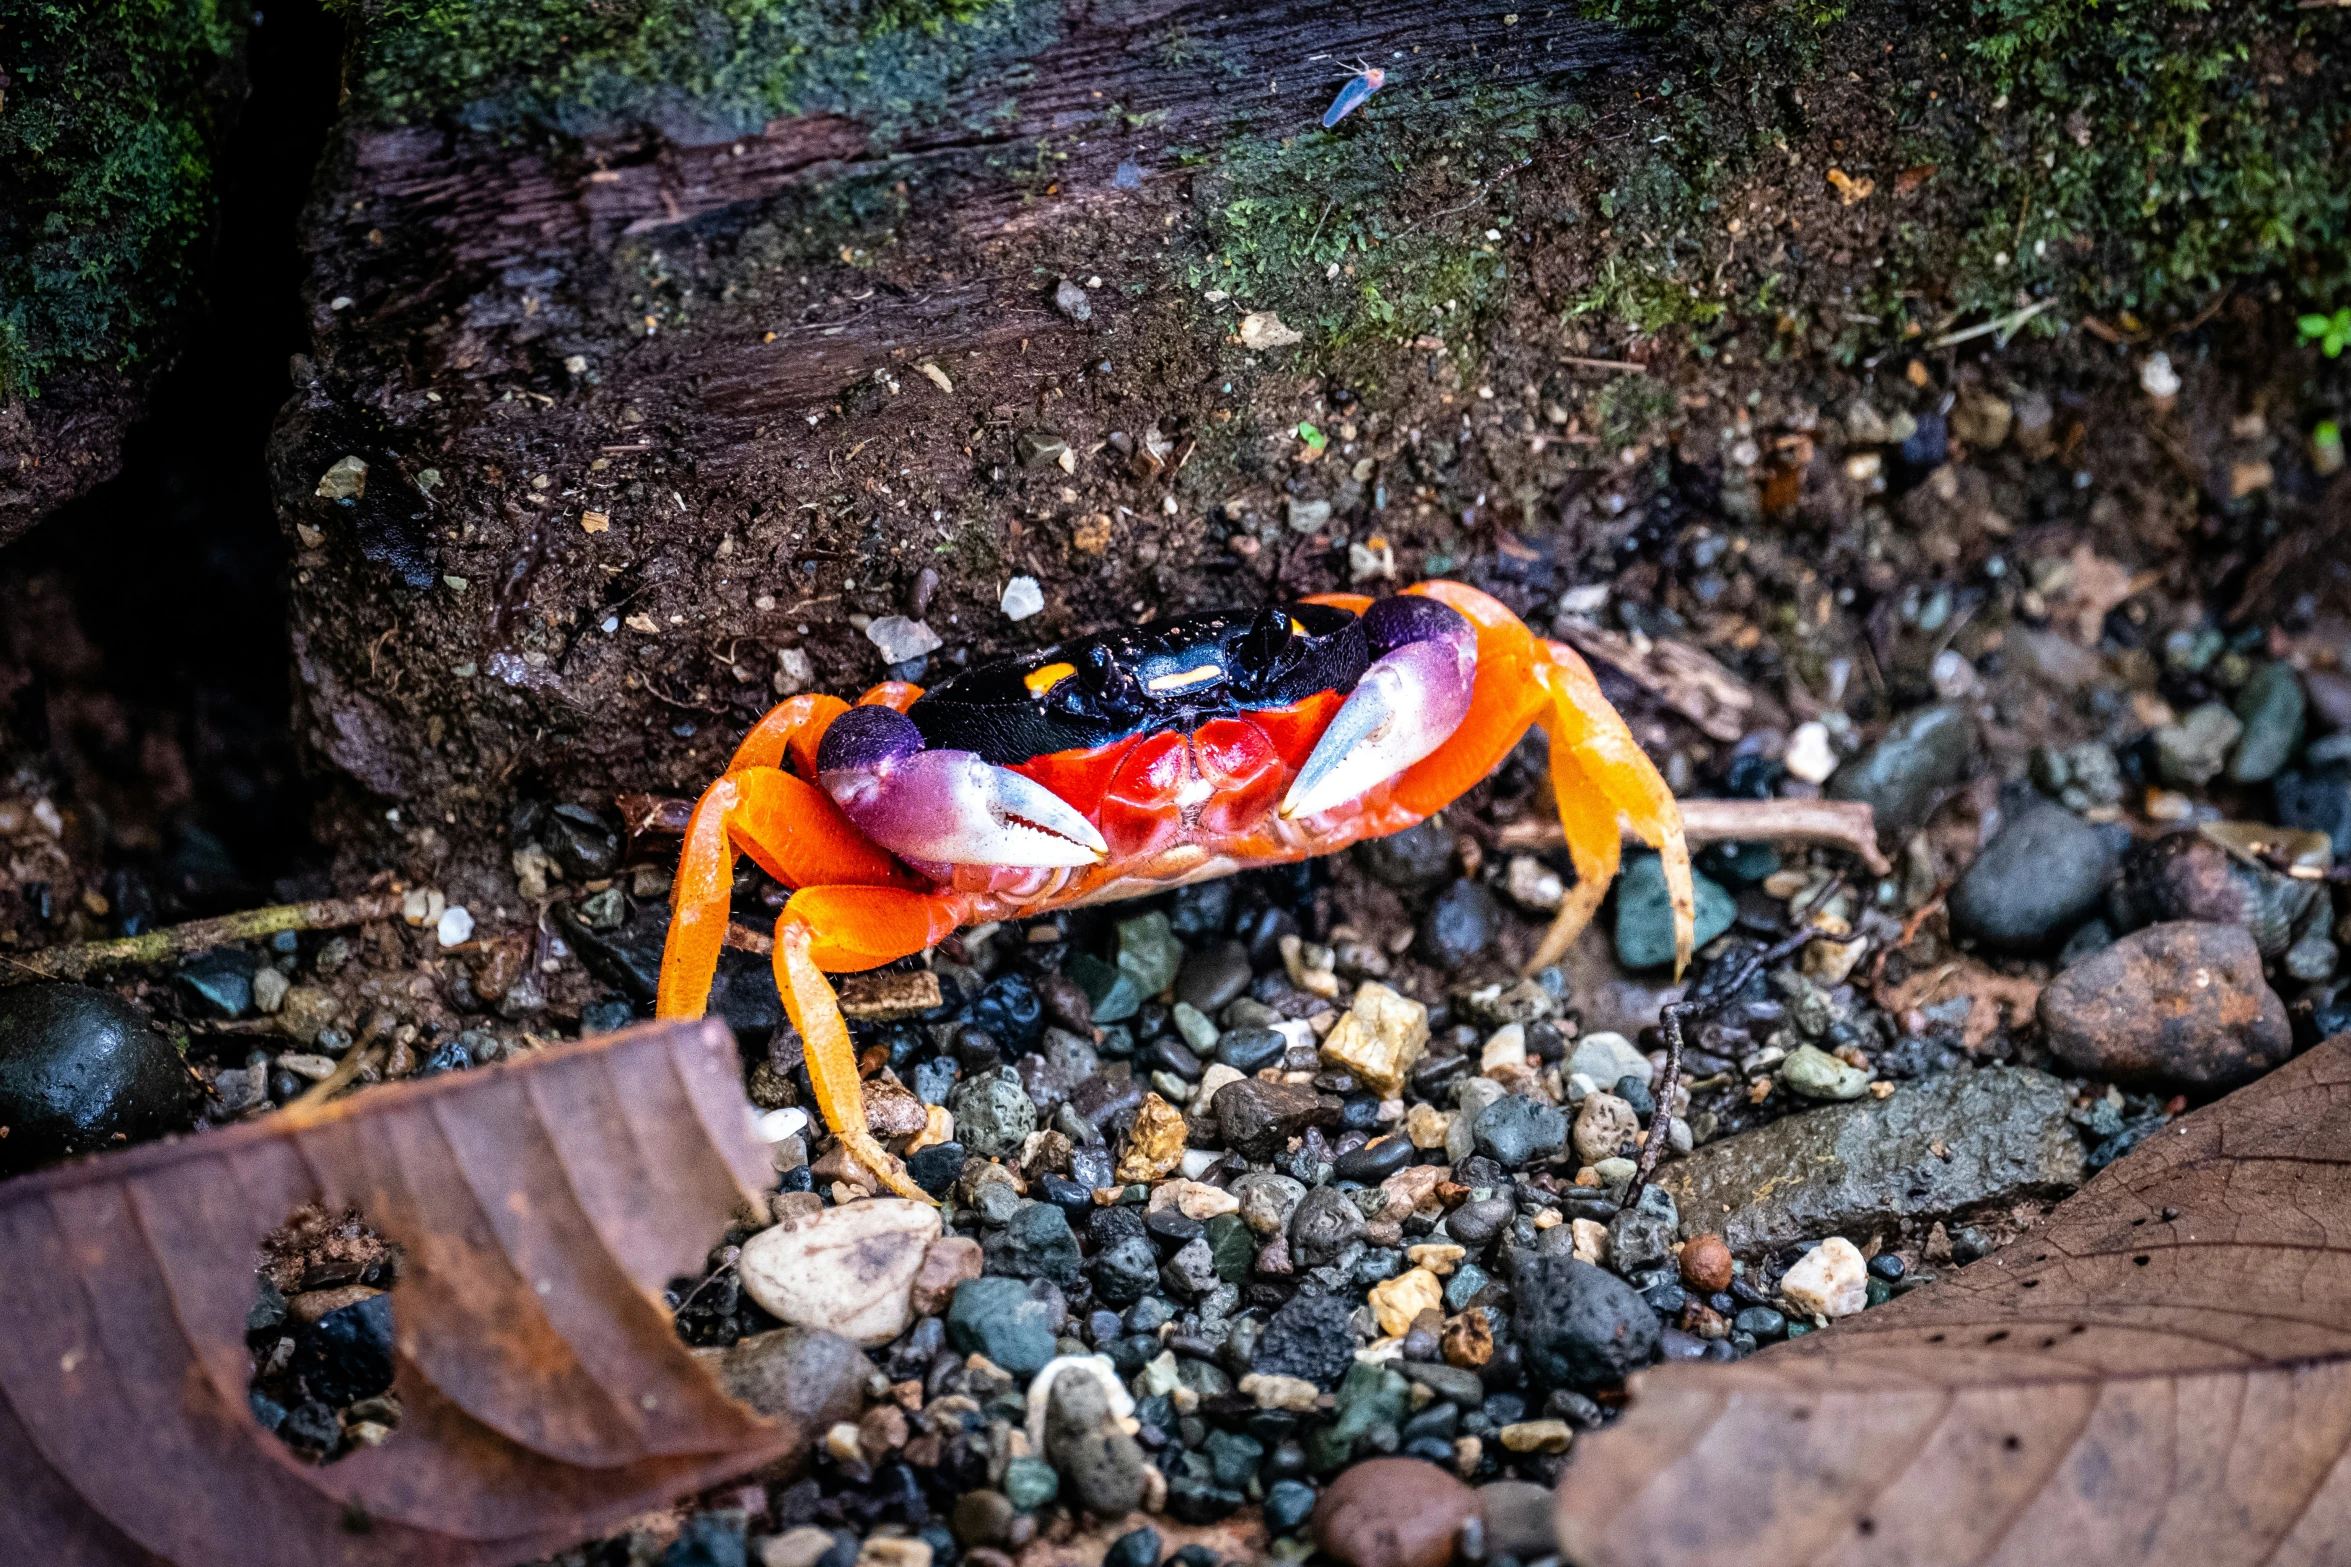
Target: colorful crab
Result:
[1131, 762]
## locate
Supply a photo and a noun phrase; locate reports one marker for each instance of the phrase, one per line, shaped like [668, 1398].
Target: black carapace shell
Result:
[1269, 659]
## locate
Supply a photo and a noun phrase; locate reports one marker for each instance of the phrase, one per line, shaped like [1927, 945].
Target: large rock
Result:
[849, 1270]
[1579, 1325]
[1870, 1168]
[1393, 1512]
[2179, 1004]
[810, 1379]
[81, 1070]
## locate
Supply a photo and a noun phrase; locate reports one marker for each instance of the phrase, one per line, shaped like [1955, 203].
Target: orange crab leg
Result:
[790, 827]
[861, 928]
[1597, 771]
[1597, 768]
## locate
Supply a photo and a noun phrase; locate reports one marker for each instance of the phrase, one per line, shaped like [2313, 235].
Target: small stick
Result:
[355, 1060]
[178, 941]
[1670, 1018]
[1844, 824]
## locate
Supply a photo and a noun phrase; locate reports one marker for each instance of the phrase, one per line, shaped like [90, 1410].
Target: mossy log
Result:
[683, 349]
[111, 116]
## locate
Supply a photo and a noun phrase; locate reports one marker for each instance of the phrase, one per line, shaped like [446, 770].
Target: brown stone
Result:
[1393, 1512]
[1257, 1119]
[951, 1260]
[2183, 1003]
[891, 1111]
[1468, 1340]
[1706, 1264]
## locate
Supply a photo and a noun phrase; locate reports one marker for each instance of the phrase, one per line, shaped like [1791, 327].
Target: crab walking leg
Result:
[864, 927]
[795, 833]
[789, 826]
[1597, 771]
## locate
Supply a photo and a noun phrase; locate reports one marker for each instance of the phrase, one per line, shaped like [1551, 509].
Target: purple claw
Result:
[1413, 696]
[945, 806]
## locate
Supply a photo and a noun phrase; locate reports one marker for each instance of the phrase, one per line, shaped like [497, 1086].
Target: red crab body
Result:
[1126, 764]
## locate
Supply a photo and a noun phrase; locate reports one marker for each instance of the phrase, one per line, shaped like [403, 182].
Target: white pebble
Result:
[1022, 598]
[901, 639]
[1952, 675]
[2158, 379]
[456, 926]
[269, 989]
[1507, 1048]
[1810, 756]
[775, 1125]
[1831, 1280]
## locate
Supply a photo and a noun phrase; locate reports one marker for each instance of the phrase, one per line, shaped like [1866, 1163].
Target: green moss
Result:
[2121, 155]
[1393, 225]
[2144, 152]
[109, 115]
[727, 66]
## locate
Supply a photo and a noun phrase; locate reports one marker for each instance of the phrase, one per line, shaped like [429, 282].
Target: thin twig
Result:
[1606, 364]
[177, 941]
[1670, 1018]
[1844, 824]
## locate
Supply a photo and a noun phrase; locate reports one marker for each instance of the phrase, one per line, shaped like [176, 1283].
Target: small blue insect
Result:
[1354, 95]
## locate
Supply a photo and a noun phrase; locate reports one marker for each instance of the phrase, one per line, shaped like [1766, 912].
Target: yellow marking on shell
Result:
[1297, 629]
[1184, 679]
[1040, 681]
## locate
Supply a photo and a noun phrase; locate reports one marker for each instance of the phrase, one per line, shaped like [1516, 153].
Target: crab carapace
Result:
[1131, 762]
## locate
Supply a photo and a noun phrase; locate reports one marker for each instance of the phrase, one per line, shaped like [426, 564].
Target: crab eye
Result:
[1040, 681]
[1267, 638]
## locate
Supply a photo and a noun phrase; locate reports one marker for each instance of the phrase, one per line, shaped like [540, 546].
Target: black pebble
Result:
[1634, 1091]
[935, 1168]
[346, 1355]
[1136, 1548]
[1375, 1162]
[81, 1070]
[1887, 1266]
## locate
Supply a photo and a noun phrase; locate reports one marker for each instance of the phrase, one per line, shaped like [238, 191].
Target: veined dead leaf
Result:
[1685, 678]
[540, 1206]
[2159, 1373]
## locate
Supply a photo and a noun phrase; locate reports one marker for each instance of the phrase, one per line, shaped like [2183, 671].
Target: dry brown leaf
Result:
[541, 1208]
[1987, 991]
[2159, 1373]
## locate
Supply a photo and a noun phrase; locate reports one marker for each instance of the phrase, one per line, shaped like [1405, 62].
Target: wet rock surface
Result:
[1932, 1152]
[81, 1070]
[2043, 874]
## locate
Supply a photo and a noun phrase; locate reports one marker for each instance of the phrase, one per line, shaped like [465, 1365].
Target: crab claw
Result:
[945, 806]
[1413, 696]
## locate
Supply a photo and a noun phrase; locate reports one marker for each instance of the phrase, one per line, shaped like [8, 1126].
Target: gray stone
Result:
[2316, 800]
[1070, 299]
[1579, 1326]
[1814, 1073]
[1459, 925]
[1515, 1130]
[1267, 1200]
[1642, 1236]
[1417, 859]
[804, 1376]
[2191, 752]
[2271, 707]
[1213, 977]
[1000, 1319]
[1870, 1167]
[1149, 953]
[1125, 1271]
[1919, 758]
[1191, 1272]
[1450, 1383]
[1035, 1243]
[1605, 1057]
[2042, 874]
[1327, 1223]
[993, 1114]
[1311, 1338]
[1477, 1222]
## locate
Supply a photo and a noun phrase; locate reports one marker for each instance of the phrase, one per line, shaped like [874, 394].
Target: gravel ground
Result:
[1258, 1191]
